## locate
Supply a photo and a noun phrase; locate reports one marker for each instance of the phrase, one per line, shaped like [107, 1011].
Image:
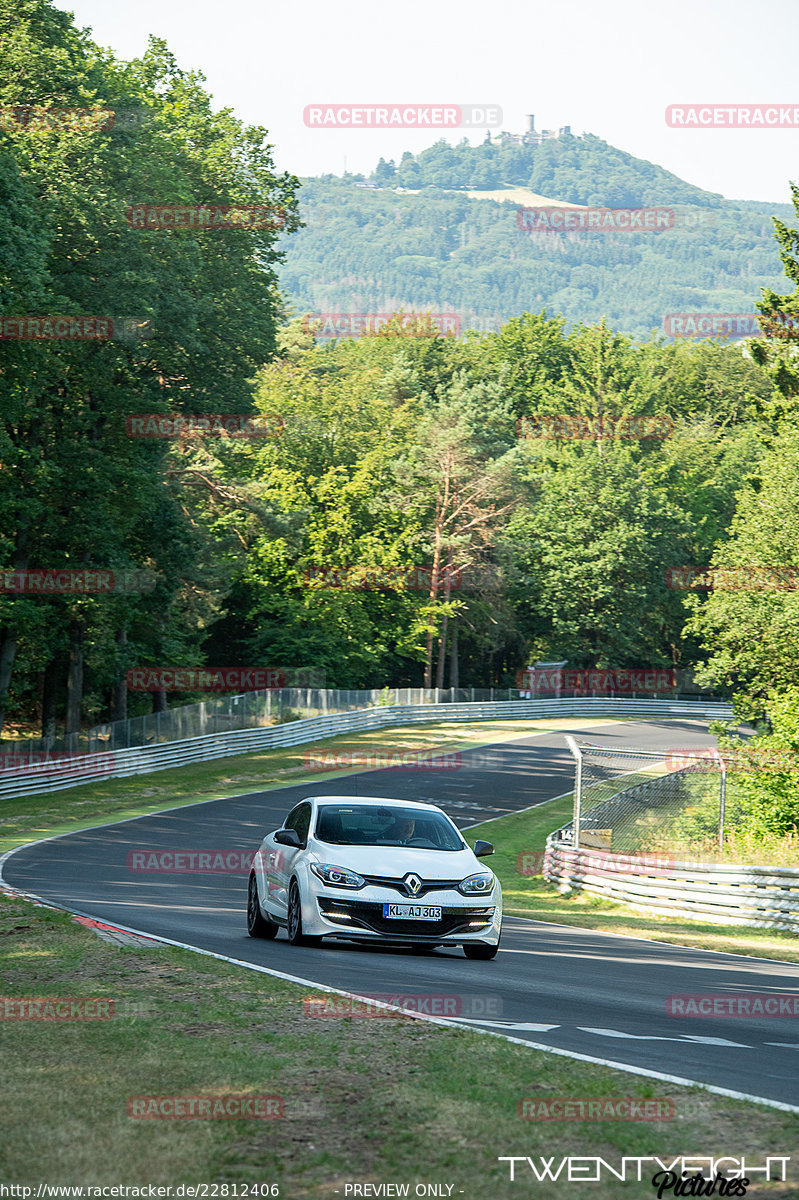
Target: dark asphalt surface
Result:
[591, 993]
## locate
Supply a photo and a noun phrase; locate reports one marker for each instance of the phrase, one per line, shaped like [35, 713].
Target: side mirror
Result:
[288, 837]
[481, 849]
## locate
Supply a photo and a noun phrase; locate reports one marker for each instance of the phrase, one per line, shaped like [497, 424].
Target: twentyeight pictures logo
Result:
[401, 116]
[576, 1168]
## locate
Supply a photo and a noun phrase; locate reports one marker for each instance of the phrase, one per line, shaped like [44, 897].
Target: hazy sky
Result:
[606, 68]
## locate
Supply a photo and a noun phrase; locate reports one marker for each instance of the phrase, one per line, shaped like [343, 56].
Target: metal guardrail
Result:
[58, 774]
[255, 709]
[718, 893]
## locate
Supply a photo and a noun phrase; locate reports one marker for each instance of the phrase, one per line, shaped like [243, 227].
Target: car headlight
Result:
[477, 884]
[335, 876]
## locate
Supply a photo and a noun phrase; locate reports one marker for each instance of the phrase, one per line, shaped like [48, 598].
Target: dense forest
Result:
[408, 507]
[455, 244]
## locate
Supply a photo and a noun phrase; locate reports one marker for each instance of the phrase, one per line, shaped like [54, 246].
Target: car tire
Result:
[294, 919]
[257, 924]
[480, 950]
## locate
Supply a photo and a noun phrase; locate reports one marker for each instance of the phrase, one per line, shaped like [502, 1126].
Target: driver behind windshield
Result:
[402, 830]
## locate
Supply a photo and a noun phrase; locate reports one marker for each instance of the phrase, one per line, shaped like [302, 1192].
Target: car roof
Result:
[370, 800]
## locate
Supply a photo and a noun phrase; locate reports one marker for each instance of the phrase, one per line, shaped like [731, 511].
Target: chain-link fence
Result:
[636, 801]
[219, 714]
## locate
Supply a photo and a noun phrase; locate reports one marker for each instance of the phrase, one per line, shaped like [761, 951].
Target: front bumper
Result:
[332, 912]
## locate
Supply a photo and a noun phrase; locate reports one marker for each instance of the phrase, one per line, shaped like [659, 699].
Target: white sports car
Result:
[373, 870]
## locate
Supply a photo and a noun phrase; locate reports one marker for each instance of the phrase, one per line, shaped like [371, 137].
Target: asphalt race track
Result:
[593, 994]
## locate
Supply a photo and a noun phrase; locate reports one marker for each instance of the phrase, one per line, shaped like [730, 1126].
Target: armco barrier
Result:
[58, 775]
[717, 893]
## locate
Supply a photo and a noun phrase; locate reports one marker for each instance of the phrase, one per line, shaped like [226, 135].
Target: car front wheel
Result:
[294, 920]
[257, 924]
[480, 950]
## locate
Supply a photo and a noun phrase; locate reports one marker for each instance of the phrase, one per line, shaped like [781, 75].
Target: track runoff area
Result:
[615, 1000]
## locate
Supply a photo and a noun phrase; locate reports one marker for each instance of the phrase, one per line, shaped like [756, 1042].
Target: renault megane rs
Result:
[374, 870]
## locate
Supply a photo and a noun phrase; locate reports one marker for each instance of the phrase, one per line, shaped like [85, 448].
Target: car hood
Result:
[398, 861]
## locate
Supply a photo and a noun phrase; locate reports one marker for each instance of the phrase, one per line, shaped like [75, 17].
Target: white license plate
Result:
[412, 912]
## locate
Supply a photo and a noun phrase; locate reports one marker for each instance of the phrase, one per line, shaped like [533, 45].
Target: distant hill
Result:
[440, 232]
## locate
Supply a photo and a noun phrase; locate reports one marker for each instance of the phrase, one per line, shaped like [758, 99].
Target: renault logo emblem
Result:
[413, 884]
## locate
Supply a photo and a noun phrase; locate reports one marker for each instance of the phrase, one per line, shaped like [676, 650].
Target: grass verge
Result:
[380, 1101]
[532, 896]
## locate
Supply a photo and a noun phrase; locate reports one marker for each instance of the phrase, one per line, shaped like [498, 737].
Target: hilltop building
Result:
[530, 137]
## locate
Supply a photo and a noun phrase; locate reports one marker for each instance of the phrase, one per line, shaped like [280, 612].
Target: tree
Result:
[749, 624]
[591, 553]
[83, 490]
[780, 319]
[458, 483]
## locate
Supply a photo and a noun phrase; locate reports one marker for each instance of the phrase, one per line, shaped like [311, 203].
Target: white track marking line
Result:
[651, 1037]
[646, 1073]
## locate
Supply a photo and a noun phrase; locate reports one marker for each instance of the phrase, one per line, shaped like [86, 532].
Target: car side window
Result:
[299, 819]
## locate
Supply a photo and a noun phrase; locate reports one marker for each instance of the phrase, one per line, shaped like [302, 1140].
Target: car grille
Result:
[428, 885]
[357, 914]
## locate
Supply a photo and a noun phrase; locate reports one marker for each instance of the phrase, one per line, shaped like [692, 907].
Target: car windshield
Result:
[378, 825]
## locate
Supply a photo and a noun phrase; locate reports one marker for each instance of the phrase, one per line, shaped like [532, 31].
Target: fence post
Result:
[722, 800]
[578, 790]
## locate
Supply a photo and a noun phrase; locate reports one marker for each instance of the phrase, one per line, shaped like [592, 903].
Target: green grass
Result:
[386, 1100]
[383, 1100]
[532, 896]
